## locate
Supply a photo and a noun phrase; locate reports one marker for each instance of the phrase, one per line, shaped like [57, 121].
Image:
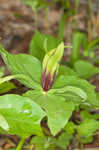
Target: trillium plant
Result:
[52, 95]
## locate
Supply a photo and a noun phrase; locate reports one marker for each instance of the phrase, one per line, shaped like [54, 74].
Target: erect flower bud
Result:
[50, 66]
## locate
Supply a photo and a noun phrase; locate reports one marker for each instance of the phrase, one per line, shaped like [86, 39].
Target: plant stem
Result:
[68, 46]
[76, 6]
[36, 19]
[19, 147]
[90, 20]
[81, 146]
[61, 27]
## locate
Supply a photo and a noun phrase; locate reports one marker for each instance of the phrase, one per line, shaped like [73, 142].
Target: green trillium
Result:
[50, 66]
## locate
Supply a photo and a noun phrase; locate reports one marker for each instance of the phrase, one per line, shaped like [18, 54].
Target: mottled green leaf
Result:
[74, 81]
[25, 65]
[57, 109]
[70, 89]
[87, 115]
[66, 71]
[70, 127]
[85, 69]
[88, 127]
[43, 143]
[63, 140]
[22, 115]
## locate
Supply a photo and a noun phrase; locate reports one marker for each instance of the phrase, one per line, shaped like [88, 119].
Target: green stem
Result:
[66, 4]
[61, 27]
[36, 19]
[76, 6]
[19, 147]
[90, 20]
[68, 46]
[81, 146]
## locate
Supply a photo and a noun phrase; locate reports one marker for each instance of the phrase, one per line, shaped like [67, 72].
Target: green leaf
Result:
[70, 128]
[63, 140]
[36, 4]
[85, 69]
[86, 140]
[7, 86]
[57, 109]
[34, 94]
[91, 47]
[43, 143]
[62, 27]
[71, 97]
[22, 114]
[92, 44]
[37, 47]
[12, 148]
[78, 39]
[33, 4]
[77, 3]
[97, 94]
[88, 127]
[58, 112]
[2, 69]
[77, 91]
[86, 115]
[74, 81]
[50, 143]
[24, 65]
[66, 71]
[3, 123]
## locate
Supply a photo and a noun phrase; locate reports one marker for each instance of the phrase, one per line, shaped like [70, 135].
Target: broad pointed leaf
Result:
[70, 89]
[88, 127]
[74, 81]
[64, 140]
[22, 114]
[85, 69]
[58, 110]
[24, 64]
[43, 143]
[66, 71]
